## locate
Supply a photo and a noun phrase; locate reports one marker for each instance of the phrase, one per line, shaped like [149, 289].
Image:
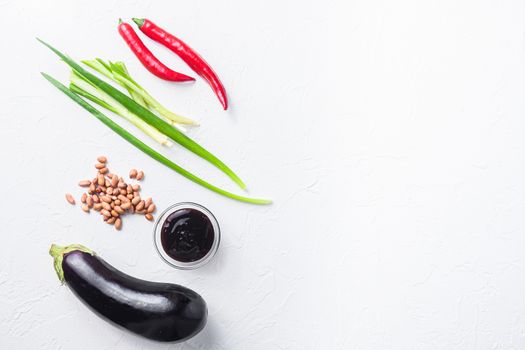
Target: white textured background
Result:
[389, 133]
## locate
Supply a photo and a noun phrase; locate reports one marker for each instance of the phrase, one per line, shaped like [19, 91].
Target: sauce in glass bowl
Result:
[187, 235]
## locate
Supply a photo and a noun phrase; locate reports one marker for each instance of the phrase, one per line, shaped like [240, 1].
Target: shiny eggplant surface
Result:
[159, 311]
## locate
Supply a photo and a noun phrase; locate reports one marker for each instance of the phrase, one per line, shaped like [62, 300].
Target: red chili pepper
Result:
[188, 55]
[145, 56]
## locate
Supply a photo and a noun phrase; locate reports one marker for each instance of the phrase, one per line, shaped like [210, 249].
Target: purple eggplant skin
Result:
[159, 311]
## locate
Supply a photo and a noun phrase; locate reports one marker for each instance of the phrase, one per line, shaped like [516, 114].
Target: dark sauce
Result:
[187, 235]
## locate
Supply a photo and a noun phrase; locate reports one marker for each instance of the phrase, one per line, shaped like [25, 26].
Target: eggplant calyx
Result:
[58, 252]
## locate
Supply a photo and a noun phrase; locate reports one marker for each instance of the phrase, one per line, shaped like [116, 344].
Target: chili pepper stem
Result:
[139, 21]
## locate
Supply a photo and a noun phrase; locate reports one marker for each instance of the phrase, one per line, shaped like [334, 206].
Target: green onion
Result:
[104, 69]
[146, 149]
[149, 117]
[118, 73]
[84, 88]
[134, 95]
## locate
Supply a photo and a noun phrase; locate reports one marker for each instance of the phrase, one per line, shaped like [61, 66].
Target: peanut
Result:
[84, 183]
[139, 206]
[70, 199]
[151, 209]
[135, 200]
[118, 209]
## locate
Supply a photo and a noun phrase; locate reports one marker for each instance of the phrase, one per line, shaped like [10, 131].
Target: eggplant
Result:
[159, 311]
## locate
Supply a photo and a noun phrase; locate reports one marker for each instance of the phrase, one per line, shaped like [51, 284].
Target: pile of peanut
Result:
[112, 197]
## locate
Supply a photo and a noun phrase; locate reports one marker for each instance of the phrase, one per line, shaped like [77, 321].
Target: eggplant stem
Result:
[58, 252]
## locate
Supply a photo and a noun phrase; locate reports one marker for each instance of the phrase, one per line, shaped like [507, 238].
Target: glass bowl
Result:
[192, 264]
